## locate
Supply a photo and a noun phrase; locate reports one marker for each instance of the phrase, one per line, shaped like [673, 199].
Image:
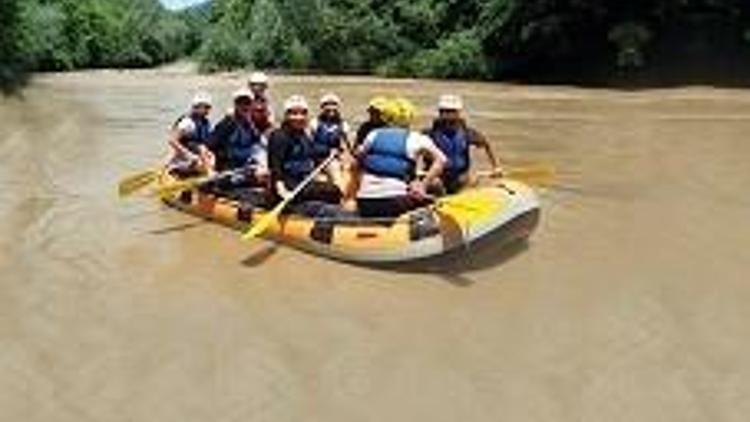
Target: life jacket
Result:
[299, 160]
[326, 138]
[242, 145]
[192, 140]
[387, 155]
[454, 143]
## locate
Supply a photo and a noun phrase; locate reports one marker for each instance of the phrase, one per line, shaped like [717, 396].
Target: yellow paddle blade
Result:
[171, 189]
[534, 175]
[263, 224]
[539, 176]
[133, 184]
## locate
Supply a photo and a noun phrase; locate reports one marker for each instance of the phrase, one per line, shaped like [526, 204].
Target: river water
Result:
[629, 303]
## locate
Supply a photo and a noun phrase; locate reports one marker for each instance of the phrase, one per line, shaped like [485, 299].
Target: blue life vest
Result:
[299, 161]
[387, 155]
[326, 138]
[454, 143]
[242, 144]
[199, 136]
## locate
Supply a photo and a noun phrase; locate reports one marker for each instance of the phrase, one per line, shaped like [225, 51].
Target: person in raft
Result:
[261, 119]
[388, 158]
[258, 83]
[292, 158]
[237, 147]
[187, 154]
[454, 138]
[375, 119]
[329, 129]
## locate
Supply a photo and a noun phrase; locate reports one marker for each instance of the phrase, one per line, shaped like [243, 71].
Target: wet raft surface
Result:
[628, 304]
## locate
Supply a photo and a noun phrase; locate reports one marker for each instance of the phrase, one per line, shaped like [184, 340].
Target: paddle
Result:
[132, 184]
[178, 186]
[264, 223]
[540, 175]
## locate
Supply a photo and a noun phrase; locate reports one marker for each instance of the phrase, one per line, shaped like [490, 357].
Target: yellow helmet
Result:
[378, 103]
[405, 112]
[390, 111]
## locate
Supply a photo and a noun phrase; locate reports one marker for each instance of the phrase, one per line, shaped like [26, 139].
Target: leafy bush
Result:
[458, 56]
[224, 49]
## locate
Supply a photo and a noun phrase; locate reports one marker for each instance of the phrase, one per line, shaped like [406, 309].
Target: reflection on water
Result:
[629, 297]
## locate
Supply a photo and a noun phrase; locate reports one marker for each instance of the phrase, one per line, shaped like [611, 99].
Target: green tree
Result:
[11, 61]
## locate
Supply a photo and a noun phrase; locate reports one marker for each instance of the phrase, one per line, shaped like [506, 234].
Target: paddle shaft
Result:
[305, 182]
[263, 224]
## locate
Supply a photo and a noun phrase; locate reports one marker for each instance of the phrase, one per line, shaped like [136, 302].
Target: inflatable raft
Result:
[509, 209]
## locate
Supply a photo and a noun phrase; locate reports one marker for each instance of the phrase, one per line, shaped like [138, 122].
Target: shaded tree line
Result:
[483, 39]
[472, 38]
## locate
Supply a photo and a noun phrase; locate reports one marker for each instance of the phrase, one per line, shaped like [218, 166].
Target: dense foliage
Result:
[72, 34]
[468, 38]
[69, 34]
[432, 38]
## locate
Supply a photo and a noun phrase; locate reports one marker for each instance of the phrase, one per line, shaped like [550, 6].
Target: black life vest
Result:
[299, 160]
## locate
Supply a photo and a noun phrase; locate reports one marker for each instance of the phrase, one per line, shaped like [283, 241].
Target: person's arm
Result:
[477, 139]
[181, 129]
[345, 145]
[208, 159]
[437, 160]
[277, 145]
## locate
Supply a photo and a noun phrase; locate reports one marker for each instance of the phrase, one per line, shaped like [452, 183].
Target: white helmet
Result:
[330, 98]
[201, 98]
[258, 78]
[450, 102]
[243, 93]
[295, 102]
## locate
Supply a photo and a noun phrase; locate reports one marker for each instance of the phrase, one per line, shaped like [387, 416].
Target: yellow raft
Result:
[510, 209]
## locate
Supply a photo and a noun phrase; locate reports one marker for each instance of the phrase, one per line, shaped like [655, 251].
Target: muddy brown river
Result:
[629, 303]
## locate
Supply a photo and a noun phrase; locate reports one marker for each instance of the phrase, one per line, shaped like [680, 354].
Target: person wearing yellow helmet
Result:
[375, 119]
[388, 158]
[455, 138]
[400, 112]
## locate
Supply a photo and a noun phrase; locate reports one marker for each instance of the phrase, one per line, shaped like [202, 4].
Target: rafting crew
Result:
[388, 159]
[383, 168]
[452, 135]
[187, 155]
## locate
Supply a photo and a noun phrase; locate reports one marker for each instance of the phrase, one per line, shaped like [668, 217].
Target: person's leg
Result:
[323, 192]
[409, 203]
[382, 207]
[455, 183]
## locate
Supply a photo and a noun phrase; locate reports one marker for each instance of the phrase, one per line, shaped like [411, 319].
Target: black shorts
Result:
[389, 207]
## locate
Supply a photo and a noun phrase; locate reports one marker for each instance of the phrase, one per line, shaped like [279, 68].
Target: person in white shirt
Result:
[188, 155]
[388, 159]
